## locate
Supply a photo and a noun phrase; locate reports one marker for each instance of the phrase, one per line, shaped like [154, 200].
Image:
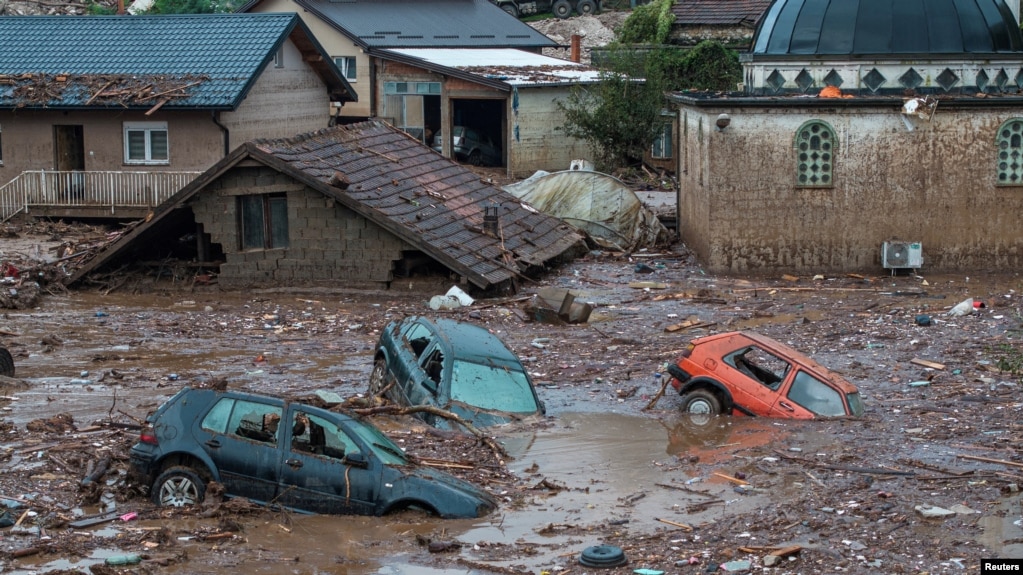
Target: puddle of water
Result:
[1002, 527]
[622, 469]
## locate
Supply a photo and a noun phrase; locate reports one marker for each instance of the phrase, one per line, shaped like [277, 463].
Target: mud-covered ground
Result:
[842, 496]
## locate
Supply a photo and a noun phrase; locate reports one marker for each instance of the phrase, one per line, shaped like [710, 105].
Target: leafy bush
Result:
[707, 66]
[648, 24]
[191, 7]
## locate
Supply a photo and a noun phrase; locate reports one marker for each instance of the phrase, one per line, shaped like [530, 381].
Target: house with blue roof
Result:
[106, 113]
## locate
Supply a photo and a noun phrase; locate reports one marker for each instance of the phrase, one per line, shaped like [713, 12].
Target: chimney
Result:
[576, 41]
[491, 224]
[120, 7]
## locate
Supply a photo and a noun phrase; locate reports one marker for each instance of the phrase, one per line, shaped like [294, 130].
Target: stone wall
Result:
[741, 210]
[329, 244]
[738, 37]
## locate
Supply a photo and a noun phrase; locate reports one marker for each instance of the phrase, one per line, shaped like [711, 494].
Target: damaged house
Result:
[869, 135]
[353, 205]
[107, 116]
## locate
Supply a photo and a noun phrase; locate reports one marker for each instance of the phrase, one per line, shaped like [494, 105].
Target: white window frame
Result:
[346, 63]
[1, 144]
[148, 128]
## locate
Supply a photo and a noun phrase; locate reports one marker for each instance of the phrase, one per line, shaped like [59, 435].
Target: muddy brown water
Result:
[617, 466]
[603, 459]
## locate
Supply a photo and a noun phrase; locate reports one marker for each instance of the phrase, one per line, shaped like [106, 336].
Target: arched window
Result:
[1010, 153]
[815, 155]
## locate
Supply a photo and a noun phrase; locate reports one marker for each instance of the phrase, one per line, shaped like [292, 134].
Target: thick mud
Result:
[675, 494]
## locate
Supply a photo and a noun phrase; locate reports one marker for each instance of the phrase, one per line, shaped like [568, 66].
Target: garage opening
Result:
[481, 122]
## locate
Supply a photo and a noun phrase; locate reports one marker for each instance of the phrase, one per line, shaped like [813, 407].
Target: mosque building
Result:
[866, 135]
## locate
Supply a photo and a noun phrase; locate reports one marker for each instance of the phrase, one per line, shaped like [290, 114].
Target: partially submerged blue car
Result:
[455, 366]
[289, 454]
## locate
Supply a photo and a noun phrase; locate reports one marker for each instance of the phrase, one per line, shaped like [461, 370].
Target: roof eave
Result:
[386, 54]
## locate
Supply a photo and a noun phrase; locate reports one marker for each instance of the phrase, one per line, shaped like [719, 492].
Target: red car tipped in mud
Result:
[742, 372]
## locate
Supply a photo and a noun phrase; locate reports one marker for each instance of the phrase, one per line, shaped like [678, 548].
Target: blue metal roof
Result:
[422, 24]
[204, 61]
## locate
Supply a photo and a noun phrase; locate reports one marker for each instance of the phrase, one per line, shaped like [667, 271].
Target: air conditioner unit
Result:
[897, 255]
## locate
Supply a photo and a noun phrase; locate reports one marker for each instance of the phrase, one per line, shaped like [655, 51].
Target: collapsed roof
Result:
[406, 188]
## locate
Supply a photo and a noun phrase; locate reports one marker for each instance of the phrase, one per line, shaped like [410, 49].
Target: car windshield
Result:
[855, 403]
[492, 387]
[815, 395]
[382, 447]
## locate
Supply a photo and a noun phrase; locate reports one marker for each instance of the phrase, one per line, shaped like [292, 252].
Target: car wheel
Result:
[511, 9]
[562, 9]
[178, 487]
[586, 7]
[476, 158]
[701, 401]
[378, 379]
[6, 363]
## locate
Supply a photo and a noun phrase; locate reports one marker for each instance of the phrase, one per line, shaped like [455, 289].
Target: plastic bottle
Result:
[130, 559]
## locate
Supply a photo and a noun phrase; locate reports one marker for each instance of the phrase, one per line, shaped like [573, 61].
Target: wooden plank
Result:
[730, 478]
[681, 526]
[926, 363]
[94, 520]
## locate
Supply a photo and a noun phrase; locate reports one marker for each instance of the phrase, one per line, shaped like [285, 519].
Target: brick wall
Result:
[328, 243]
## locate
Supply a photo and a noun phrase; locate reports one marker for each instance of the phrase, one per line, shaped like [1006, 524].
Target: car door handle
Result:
[786, 406]
[213, 443]
[293, 463]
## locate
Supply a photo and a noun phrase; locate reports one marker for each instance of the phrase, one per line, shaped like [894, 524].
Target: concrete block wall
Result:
[540, 144]
[329, 244]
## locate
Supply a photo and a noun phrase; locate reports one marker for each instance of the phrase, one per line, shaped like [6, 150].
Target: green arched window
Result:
[1010, 153]
[815, 155]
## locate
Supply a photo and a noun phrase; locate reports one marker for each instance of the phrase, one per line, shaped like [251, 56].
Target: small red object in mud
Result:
[740, 475]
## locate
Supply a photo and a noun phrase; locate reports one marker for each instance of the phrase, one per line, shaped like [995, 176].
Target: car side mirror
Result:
[357, 459]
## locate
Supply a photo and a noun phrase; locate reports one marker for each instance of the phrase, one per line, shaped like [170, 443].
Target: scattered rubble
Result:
[949, 445]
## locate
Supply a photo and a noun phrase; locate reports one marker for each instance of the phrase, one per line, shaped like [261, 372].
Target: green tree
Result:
[620, 115]
[648, 24]
[707, 66]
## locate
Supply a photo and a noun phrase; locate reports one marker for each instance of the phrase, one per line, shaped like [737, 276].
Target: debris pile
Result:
[34, 90]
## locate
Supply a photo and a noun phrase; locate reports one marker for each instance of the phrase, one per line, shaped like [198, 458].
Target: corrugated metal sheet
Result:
[422, 24]
[408, 189]
[719, 12]
[209, 60]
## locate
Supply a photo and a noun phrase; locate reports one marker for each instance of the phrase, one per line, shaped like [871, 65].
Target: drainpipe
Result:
[372, 87]
[227, 133]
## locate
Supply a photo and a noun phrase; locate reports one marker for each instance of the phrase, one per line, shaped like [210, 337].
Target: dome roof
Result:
[877, 27]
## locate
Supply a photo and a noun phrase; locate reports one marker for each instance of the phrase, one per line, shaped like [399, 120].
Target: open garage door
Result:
[481, 123]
